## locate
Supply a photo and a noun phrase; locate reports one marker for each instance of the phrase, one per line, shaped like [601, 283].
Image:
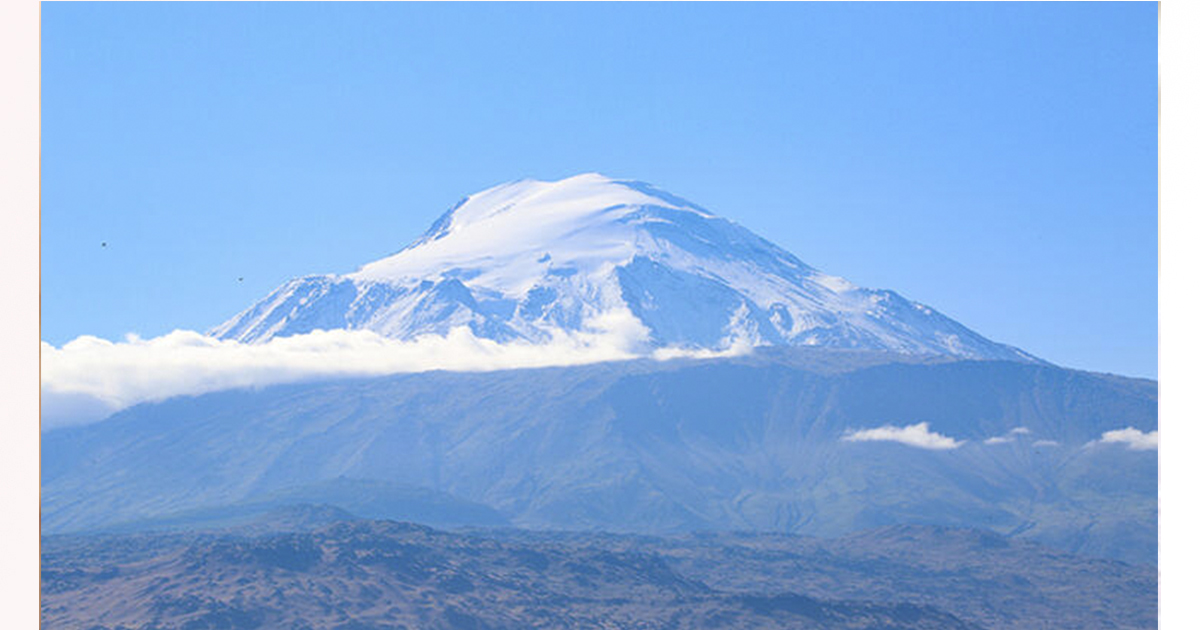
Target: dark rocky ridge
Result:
[373, 574]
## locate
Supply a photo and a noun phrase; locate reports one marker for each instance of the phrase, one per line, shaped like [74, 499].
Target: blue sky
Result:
[996, 161]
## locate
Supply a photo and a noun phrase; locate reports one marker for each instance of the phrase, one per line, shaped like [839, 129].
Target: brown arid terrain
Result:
[318, 568]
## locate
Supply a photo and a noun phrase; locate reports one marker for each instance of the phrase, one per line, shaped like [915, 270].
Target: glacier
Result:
[529, 260]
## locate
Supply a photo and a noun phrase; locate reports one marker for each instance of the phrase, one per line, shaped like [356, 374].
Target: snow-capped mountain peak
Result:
[513, 231]
[531, 259]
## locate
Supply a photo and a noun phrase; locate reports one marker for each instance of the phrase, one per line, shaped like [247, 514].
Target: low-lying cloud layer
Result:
[917, 435]
[89, 378]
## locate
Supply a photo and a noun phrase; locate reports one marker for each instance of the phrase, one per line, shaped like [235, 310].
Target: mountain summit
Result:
[531, 260]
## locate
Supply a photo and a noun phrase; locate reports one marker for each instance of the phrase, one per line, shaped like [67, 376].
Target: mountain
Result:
[757, 442]
[530, 260]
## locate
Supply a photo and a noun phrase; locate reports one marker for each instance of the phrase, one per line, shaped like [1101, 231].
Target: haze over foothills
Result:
[993, 161]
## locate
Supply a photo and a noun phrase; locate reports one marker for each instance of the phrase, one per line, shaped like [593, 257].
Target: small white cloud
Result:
[1009, 437]
[1133, 438]
[1046, 443]
[917, 435]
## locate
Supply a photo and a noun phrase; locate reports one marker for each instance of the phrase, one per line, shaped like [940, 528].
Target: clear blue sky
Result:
[996, 161]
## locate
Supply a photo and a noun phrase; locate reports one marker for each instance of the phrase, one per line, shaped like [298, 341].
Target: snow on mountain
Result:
[530, 260]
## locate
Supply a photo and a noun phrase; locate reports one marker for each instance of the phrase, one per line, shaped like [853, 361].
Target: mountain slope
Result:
[530, 260]
[645, 446]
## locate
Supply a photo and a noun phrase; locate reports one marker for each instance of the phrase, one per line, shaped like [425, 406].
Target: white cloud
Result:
[917, 435]
[89, 378]
[1046, 443]
[1009, 437]
[1133, 438]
